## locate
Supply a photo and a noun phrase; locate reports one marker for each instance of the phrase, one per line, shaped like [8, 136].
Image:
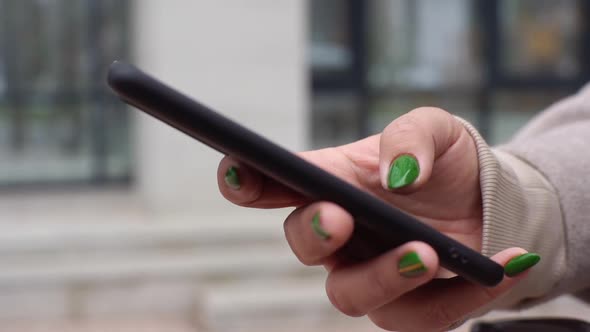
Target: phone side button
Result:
[454, 252]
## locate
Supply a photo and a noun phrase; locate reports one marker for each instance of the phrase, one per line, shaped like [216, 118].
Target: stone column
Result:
[245, 58]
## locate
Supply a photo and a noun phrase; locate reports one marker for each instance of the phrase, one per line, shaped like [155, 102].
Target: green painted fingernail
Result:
[317, 227]
[231, 178]
[521, 263]
[411, 266]
[403, 171]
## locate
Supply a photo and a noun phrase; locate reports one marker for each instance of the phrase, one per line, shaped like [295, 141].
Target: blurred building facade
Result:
[496, 63]
[110, 216]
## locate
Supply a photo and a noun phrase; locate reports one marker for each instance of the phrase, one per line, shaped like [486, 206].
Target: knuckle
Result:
[384, 322]
[404, 124]
[392, 322]
[430, 110]
[439, 316]
[298, 250]
[302, 256]
[382, 285]
[340, 302]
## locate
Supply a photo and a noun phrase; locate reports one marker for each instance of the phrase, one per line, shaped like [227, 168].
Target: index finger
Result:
[245, 186]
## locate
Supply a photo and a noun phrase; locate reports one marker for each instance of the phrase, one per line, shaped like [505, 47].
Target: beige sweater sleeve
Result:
[520, 207]
[536, 195]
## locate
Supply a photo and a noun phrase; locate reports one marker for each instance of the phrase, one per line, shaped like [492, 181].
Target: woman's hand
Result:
[424, 163]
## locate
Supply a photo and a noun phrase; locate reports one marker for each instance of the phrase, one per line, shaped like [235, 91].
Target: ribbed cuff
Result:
[520, 209]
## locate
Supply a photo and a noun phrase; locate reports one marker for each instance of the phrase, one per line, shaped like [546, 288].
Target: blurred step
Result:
[252, 305]
[198, 268]
[223, 231]
[211, 264]
[146, 324]
[135, 285]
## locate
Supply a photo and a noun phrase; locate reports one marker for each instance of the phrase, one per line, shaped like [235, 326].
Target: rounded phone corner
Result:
[119, 74]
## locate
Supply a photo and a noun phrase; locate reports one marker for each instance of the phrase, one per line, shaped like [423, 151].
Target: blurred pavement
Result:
[127, 269]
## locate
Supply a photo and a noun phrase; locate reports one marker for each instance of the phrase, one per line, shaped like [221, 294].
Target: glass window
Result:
[335, 98]
[334, 119]
[494, 63]
[422, 53]
[330, 39]
[540, 38]
[425, 44]
[58, 122]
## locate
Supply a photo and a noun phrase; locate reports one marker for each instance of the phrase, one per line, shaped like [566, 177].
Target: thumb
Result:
[410, 145]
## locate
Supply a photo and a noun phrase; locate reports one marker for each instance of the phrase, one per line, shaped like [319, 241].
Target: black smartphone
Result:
[378, 226]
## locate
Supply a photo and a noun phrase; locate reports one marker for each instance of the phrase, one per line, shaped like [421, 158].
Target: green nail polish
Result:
[521, 263]
[231, 178]
[410, 265]
[404, 170]
[317, 227]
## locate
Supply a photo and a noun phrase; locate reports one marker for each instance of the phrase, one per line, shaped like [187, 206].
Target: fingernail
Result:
[521, 263]
[231, 178]
[403, 171]
[411, 266]
[317, 227]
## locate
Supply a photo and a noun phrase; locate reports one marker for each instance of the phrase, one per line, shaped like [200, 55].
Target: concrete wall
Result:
[242, 57]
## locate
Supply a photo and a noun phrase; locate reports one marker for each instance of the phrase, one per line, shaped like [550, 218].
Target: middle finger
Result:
[316, 231]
